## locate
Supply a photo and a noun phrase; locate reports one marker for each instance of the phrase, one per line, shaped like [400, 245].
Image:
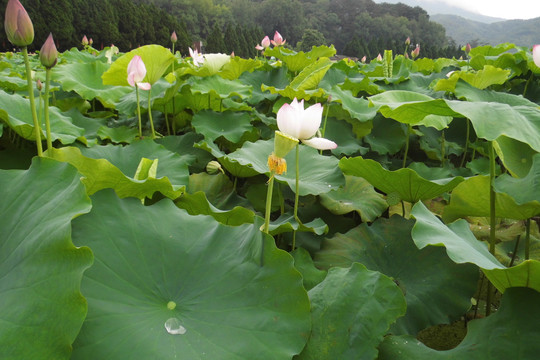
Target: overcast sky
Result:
[507, 9]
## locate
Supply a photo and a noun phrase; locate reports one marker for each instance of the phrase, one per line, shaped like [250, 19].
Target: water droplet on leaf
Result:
[173, 327]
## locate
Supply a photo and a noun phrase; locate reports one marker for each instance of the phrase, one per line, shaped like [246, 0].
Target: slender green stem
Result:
[323, 131]
[150, 113]
[37, 127]
[492, 218]
[268, 204]
[138, 111]
[167, 121]
[174, 57]
[443, 149]
[296, 194]
[527, 84]
[527, 238]
[466, 143]
[409, 128]
[46, 109]
[514, 253]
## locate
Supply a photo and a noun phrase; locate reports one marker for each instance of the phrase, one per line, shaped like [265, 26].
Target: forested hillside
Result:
[354, 27]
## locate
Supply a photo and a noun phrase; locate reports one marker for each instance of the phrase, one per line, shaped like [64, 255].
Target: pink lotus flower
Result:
[302, 124]
[48, 55]
[266, 41]
[536, 55]
[278, 39]
[259, 47]
[136, 72]
[84, 40]
[197, 58]
[17, 23]
[364, 58]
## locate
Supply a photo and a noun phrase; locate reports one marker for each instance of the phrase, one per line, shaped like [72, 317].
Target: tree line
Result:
[354, 27]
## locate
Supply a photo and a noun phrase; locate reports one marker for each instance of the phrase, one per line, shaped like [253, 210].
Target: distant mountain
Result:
[440, 7]
[463, 31]
[467, 27]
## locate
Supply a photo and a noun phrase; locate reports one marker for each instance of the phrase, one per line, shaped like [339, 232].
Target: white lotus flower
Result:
[303, 124]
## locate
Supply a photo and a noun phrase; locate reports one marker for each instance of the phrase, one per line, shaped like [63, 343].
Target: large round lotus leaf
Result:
[156, 59]
[524, 190]
[471, 198]
[515, 155]
[85, 80]
[168, 285]
[318, 174]
[216, 86]
[231, 125]
[115, 167]
[405, 183]
[15, 112]
[357, 195]
[40, 269]
[436, 289]
[352, 310]
[510, 333]
[462, 247]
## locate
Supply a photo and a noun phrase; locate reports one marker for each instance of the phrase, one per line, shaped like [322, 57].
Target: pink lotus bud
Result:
[536, 55]
[364, 58]
[174, 38]
[48, 55]
[408, 41]
[379, 57]
[39, 85]
[136, 71]
[468, 48]
[84, 40]
[278, 39]
[415, 52]
[265, 42]
[90, 41]
[259, 47]
[19, 28]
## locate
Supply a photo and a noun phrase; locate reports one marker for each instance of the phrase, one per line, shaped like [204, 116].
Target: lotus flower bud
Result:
[278, 39]
[174, 38]
[19, 28]
[84, 40]
[213, 167]
[39, 85]
[48, 55]
[408, 41]
[415, 52]
[536, 55]
[364, 58]
[265, 42]
[90, 41]
[468, 48]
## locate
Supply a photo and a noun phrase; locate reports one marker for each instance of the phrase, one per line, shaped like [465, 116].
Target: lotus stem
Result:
[37, 127]
[323, 131]
[409, 128]
[46, 110]
[268, 204]
[466, 143]
[492, 219]
[527, 238]
[138, 111]
[296, 194]
[150, 113]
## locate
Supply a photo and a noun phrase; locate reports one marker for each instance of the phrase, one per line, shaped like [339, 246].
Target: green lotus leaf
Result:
[481, 79]
[15, 112]
[342, 133]
[219, 87]
[275, 77]
[90, 125]
[237, 66]
[515, 117]
[311, 75]
[40, 269]
[318, 173]
[523, 190]
[347, 321]
[460, 243]
[198, 204]
[471, 198]
[304, 263]
[358, 108]
[291, 93]
[85, 80]
[117, 135]
[436, 289]
[357, 195]
[413, 108]
[287, 223]
[231, 125]
[12, 82]
[515, 155]
[406, 183]
[167, 284]
[387, 136]
[156, 58]
[115, 167]
[510, 333]
[233, 166]
[296, 61]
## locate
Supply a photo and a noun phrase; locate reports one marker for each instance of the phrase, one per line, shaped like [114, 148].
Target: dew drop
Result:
[173, 327]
